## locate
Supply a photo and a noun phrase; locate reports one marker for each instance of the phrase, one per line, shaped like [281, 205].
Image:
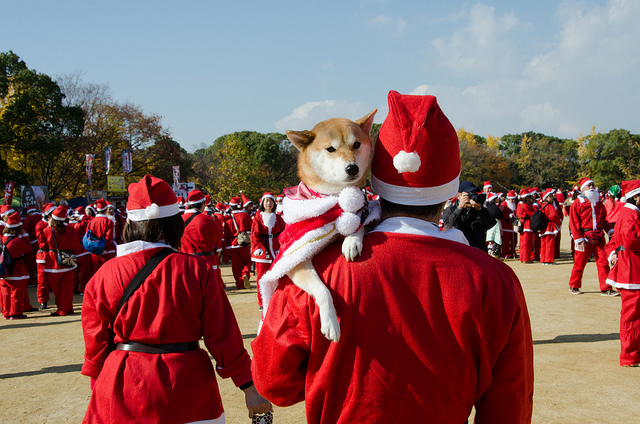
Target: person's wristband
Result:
[246, 385]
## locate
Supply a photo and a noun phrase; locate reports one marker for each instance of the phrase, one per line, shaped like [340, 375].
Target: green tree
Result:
[611, 157]
[481, 161]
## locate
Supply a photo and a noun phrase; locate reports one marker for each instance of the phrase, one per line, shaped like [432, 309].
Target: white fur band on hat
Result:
[58, 218]
[153, 212]
[199, 200]
[13, 225]
[586, 183]
[415, 196]
[632, 193]
[268, 196]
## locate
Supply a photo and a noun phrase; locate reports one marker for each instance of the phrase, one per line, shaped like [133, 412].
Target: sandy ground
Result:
[576, 343]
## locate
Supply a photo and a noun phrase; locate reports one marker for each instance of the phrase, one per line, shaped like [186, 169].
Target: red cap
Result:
[13, 220]
[630, 188]
[151, 198]
[195, 196]
[60, 213]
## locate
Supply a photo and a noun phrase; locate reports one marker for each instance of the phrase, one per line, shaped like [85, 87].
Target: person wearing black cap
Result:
[469, 215]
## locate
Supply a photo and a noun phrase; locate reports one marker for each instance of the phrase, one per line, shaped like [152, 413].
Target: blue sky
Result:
[210, 68]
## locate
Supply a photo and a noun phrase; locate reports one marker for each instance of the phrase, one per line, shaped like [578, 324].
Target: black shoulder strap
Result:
[142, 275]
[193, 215]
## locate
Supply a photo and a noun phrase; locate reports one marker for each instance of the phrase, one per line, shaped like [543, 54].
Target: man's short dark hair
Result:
[169, 229]
[195, 205]
[427, 211]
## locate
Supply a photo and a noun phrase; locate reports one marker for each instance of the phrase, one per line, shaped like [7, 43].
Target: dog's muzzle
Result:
[352, 170]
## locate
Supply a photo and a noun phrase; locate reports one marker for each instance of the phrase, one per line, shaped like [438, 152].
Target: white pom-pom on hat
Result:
[406, 162]
[347, 223]
[351, 199]
[152, 211]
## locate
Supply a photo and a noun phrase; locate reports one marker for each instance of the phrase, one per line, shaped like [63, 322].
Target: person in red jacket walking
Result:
[588, 225]
[59, 236]
[13, 287]
[238, 221]
[43, 284]
[85, 267]
[29, 227]
[265, 229]
[102, 226]
[548, 236]
[508, 209]
[524, 212]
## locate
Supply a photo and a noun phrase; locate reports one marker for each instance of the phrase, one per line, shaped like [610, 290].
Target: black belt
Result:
[204, 253]
[158, 348]
[269, 236]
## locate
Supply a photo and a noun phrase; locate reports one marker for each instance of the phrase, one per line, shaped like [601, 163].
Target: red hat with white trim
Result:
[245, 199]
[80, 210]
[487, 184]
[511, 194]
[60, 213]
[101, 205]
[267, 196]
[151, 198]
[47, 208]
[583, 182]
[492, 197]
[548, 192]
[207, 200]
[525, 192]
[13, 220]
[6, 209]
[235, 201]
[416, 161]
[195, 196]
[630, 188]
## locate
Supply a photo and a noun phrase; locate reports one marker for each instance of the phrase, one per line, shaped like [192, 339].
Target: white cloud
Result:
[384, 21]
[306, 116]
[420, 90]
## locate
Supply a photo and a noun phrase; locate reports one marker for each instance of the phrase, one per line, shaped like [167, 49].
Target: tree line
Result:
[48, 125]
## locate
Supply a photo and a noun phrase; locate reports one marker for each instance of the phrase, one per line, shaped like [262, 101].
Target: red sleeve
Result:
[575, 223]
[255, 235]
[628, 234]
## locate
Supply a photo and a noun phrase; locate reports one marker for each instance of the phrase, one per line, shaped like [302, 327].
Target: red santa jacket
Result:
[265, 230]
[29, 226]
[67, 241]
[612, 214]
[626, 238]
[419, 343]
[18, 247]
[103, 226]
[554, 224]
[181, 301]
[243, 222]
[508, 214]
[584, 216]
[524, 212]
[202, 235]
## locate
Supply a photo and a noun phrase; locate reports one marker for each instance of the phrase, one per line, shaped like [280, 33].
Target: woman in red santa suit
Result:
[157, 372]
[524, 212]
[627, 240]
[43, 288]
[266, 227]
[548, 237]
[59, 236]
[13, 287]
[103, 227]
[508, 208]
[85, 268]
[237, 221]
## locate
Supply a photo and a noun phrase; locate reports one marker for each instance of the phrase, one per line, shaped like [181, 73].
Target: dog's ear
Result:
[367, 122]
[301, 139]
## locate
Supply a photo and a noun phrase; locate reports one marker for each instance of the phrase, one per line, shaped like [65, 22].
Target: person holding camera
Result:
[469, 215]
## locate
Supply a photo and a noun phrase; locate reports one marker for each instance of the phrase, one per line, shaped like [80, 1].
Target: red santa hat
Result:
[30, 210]
[280, 197]
[195, 196]
[207, 199]
[417, 157]
[267, 196]
[245, 199]
[487, 184]
[584, 182]
[630, 188]
[151, 198]
[511, 194]
[101, 205]
[89, 207]
[548, 192]
[526, 192]
[13, 220]
[60, 213]
[235, 201]
[47, 208]
[491, 197]
[79, 210]
[6, 209]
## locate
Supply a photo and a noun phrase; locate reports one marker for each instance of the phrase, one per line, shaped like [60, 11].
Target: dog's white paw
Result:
[351, 247]
[329, 326]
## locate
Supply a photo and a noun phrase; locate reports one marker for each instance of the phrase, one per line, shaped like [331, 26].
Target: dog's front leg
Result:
[306, 277]
[352, 245]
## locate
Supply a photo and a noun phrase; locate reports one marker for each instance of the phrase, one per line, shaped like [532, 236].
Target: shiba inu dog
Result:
[333, 163]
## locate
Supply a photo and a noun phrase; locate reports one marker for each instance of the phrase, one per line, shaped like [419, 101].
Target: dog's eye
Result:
[356, 145]
[330, 149]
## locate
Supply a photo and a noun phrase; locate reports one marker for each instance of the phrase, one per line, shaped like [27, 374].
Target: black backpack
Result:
[6, 264]
[539, 221]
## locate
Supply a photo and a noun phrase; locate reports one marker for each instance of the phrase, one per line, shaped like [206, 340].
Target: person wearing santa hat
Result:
[265, 244]
[157, 372]
[59, 236]
[494, 234]
[524, 212]
[420, 310]
[548, 236]
[13, 287]
[626, 241]
[43, 287]
[103, 227]
[487, 188]
[279, 200]
[588, 225]
[508, 209]
[238, 221]
[29, 227]
[201, 235]
[83, 257]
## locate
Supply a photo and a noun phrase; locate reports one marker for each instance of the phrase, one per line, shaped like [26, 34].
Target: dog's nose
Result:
[352, 170]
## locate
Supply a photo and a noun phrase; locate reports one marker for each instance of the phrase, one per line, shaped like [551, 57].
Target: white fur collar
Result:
[137, 246]
[268, 219]
[632, 207]
[419, 227]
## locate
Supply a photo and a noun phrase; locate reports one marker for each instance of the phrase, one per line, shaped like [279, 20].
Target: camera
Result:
[478, 197]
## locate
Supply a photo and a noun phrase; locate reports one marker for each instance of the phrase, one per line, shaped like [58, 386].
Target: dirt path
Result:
[576, 342]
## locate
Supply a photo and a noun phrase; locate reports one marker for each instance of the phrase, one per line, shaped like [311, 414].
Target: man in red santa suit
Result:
[548, 236]
[524, 212]
[626, 239]
[83, 258]
[102, 227]
[487, 188]
[43, 287]
[419, 343]
[265, 244]
[157, 372]
[587, 222]
[13, 287]
[508, 208]
[237, 221]
[201, 232]
[29, 227]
